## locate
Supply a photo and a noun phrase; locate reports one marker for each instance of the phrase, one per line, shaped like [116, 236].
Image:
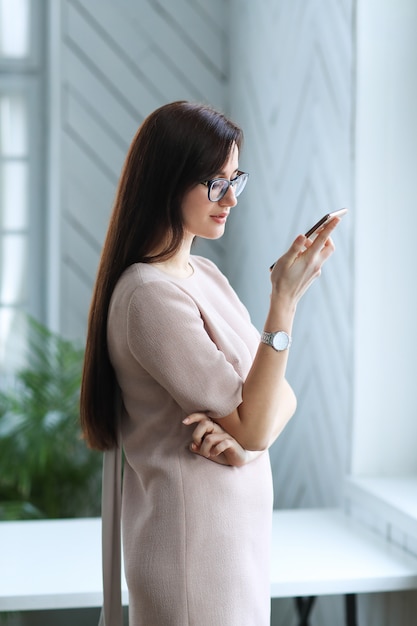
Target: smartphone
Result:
[326, 218]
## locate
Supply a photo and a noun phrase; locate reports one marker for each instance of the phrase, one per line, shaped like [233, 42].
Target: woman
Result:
[167, 332]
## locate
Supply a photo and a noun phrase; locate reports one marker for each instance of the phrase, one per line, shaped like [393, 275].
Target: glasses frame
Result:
[230, 183]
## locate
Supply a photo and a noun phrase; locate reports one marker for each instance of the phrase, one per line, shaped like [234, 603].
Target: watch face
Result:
[281, 341]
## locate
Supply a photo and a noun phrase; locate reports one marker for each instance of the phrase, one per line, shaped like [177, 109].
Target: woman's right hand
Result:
[294, 272]
[212, 442]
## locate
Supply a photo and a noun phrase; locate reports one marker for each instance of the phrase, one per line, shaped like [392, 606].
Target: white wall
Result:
[385, 426]
[385, 411]
[292, 91]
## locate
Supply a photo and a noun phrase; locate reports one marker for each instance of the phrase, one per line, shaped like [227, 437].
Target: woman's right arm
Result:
[268, 401]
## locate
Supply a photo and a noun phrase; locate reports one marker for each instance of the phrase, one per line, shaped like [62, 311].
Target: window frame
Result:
[26, 76]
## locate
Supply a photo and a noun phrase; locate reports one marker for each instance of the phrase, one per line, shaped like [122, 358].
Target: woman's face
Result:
[206, 219]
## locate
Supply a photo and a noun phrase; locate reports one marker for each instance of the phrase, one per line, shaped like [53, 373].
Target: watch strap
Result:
[268, 339]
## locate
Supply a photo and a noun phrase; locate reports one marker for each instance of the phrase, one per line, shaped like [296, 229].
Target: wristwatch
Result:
[280, 340]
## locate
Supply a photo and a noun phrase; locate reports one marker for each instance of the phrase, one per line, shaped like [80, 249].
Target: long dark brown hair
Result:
[177, 146]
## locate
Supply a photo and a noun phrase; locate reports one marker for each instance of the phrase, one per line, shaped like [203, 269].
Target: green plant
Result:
[46, 470]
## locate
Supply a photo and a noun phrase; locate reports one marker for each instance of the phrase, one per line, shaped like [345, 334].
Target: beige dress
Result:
[196, 534]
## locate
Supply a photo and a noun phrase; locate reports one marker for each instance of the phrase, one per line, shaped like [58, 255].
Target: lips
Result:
[220, 218]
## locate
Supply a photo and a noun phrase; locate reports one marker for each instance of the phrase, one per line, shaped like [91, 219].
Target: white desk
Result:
[56, 564]
[51, 564]
[323, 552]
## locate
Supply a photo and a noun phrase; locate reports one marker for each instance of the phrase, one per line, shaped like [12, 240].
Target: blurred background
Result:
[326, 93]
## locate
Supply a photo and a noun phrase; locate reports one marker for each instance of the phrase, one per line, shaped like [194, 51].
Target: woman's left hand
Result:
[212, 442]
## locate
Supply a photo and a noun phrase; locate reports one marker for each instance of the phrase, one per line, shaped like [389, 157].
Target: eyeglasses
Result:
[218, 187]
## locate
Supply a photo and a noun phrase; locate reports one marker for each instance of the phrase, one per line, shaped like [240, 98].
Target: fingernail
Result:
[185, 420]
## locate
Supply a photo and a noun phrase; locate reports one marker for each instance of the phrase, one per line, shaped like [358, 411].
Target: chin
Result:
[213, 234]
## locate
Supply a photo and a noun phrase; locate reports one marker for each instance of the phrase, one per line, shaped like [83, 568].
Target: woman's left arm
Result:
[210, 440]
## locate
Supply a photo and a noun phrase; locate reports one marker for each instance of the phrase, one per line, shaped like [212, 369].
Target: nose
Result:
[229, 199]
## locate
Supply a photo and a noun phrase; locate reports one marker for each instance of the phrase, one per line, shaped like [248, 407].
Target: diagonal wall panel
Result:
[296, 87]
[120, 60]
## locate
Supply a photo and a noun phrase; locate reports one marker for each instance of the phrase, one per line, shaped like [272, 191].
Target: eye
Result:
[217, 185]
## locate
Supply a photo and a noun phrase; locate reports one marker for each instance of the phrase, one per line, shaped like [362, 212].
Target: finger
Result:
[307, 244]
[209, 441]
[202, 430]
[324, 233]
[221, 447]
[291, 255]
[297, 246]
[213, 444]
[194, 418]
[327, 250]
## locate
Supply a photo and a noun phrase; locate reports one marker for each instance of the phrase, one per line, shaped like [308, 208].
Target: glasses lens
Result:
[240, 183]
[219, 186]
[217, 189]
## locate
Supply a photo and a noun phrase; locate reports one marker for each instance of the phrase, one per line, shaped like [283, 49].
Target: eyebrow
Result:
[223, 174]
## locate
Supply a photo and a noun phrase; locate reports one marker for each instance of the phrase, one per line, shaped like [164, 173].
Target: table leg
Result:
[351, 614]
[304, 607]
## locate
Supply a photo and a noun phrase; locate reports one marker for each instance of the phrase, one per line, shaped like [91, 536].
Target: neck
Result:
[178, 265]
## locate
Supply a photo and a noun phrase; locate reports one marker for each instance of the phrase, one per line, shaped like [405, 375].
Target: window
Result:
[21, 172]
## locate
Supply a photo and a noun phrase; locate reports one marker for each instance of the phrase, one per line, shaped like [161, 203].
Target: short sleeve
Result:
[168, 337]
